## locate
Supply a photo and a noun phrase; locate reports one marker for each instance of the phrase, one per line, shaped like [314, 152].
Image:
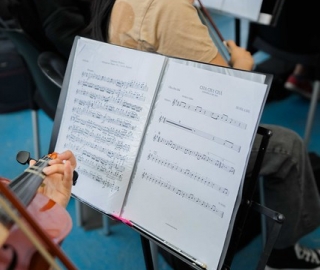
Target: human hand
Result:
[59, 174]
[240, 58]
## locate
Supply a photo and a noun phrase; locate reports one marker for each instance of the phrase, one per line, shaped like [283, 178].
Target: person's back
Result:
[162, 27]
[156, 26]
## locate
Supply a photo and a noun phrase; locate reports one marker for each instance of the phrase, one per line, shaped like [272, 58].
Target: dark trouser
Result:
[290, 187]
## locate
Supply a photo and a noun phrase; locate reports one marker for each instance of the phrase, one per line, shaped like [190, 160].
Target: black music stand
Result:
[246, 206]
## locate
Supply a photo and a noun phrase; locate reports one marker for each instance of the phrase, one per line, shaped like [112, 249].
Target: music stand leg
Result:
[278, 219]
[147, 253]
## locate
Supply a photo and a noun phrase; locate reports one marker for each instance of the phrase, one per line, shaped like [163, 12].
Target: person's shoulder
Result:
[169, 4]
[152, 4]
[169, 9]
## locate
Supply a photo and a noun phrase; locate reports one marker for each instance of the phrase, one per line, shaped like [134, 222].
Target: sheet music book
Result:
[161, 143]
[260, 11]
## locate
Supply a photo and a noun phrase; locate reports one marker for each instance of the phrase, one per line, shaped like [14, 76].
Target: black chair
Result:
[260, 39]
[46, 93]
[53, 67]
[20, 99]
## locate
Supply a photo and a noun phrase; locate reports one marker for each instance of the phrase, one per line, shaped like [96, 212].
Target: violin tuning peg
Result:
[23, 157]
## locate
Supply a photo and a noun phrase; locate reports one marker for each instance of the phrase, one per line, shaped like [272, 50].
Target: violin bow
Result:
[23, 212]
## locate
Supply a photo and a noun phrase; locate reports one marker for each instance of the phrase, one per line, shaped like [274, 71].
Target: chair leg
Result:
[311, 113]
[35, 131]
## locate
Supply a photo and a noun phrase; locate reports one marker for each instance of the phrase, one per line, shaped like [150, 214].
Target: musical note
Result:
[222, 117]
[195, 176]
[199, 156]
[200, 133]
[106, 183]
[179, 192]
[117, 82]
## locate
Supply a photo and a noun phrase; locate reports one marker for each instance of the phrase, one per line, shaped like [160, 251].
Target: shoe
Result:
[294, 258]
[299, 85]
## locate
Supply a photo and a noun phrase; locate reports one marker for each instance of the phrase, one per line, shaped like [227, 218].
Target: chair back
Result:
[47, 93]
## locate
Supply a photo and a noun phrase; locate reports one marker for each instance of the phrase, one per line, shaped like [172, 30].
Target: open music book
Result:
[259, 11]
[161, 143]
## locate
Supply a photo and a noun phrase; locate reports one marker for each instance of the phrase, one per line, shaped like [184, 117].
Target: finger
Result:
[55, 168]
[65, 169]
[68, 155]
[231, 44]
[32, 162]
[68, 172]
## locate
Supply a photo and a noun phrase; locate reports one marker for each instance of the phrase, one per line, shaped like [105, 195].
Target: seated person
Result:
[173, 28]
[295, 36]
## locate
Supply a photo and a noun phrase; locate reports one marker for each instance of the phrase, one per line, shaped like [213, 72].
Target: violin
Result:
[32, 226]
[207, 14]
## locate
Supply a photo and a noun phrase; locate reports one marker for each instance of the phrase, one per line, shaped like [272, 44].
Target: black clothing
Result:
[294, 31]
[52, 24]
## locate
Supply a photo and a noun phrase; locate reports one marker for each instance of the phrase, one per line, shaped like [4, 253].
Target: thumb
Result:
[32, 162]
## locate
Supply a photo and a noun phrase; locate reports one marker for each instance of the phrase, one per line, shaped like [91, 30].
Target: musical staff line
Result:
[199, 156]
[183, 194]
[115, 162]
[119, 83]
[106, 183]
[108, 131]
[222, 117]
[87, 110]
[111, 168]
[99, 142]
[119, 93]
[202, 134]
[115, 121]
[98, 101]
[195, 176]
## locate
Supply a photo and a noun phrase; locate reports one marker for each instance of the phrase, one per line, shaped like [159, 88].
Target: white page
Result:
[194, 158]
[247, 9]
[107, 105]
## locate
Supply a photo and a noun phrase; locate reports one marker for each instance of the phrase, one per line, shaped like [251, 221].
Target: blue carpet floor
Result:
[121, 249]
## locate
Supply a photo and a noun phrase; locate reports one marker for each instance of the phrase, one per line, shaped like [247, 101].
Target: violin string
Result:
[26, 185]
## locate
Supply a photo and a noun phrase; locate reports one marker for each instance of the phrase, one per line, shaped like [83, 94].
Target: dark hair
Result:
[100, 18]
